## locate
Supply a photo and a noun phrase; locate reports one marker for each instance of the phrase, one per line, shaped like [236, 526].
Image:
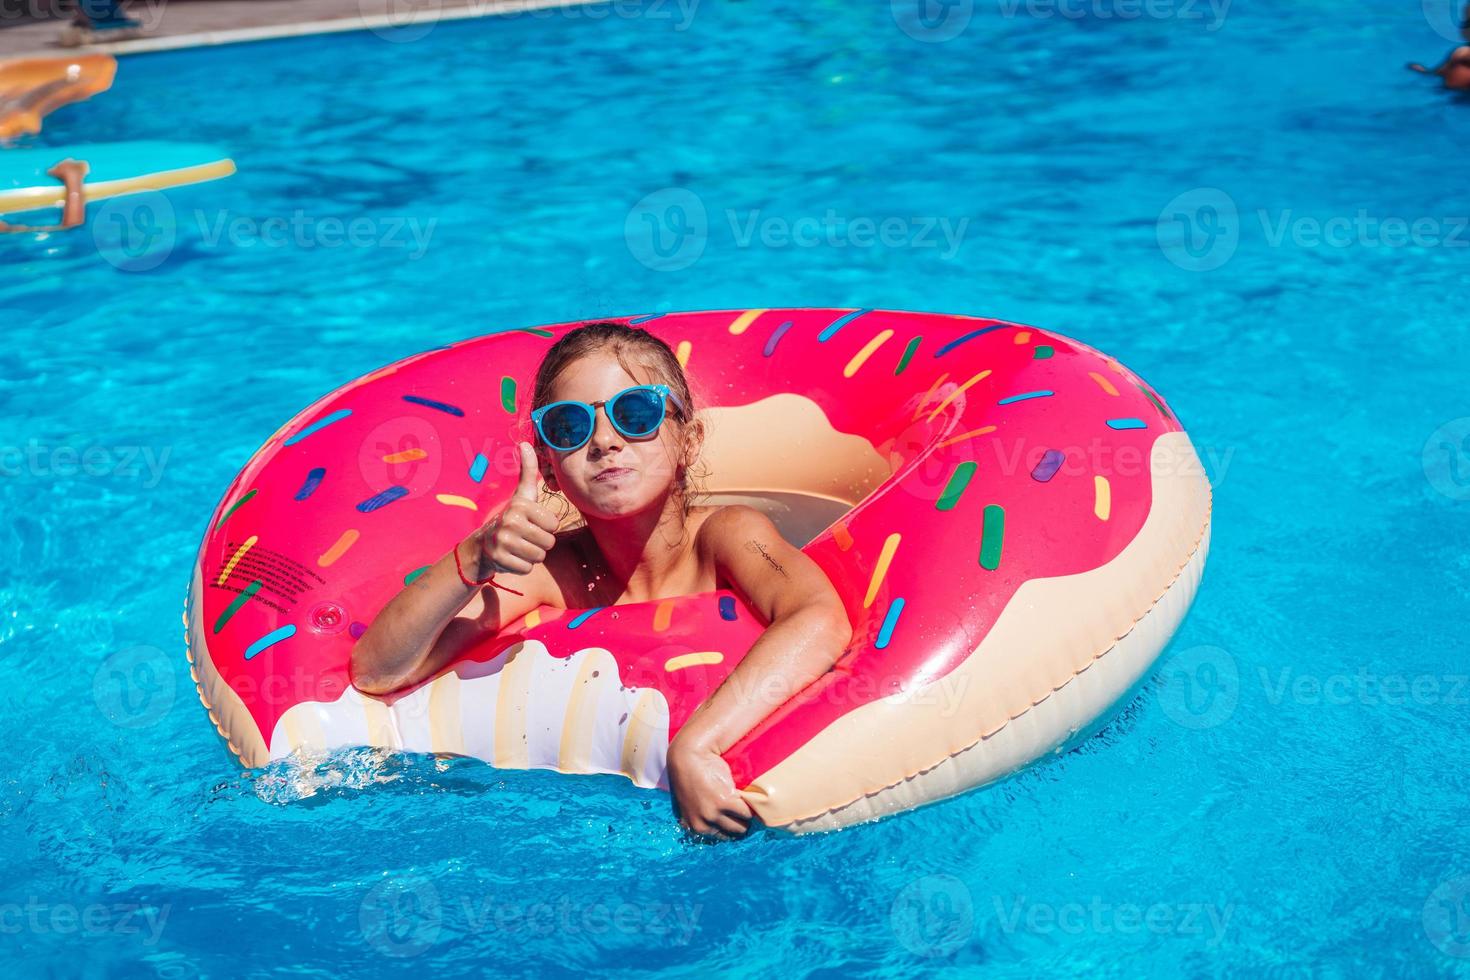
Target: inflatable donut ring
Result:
[1016, 523]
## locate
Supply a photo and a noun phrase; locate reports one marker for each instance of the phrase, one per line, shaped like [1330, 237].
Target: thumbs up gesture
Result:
[518, 538]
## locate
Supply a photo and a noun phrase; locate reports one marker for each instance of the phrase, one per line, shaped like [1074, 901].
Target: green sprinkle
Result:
[234, 607]
[908, 353]
[958, 480]
[992, 536]
[1043, 351]
[237, 505]
[409, 578]
[508, 394]
[1157, 404]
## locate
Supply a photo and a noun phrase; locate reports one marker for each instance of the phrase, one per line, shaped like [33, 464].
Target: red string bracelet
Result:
[474, 585]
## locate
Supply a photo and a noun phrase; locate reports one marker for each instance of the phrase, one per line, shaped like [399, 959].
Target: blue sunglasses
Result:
[636, 412]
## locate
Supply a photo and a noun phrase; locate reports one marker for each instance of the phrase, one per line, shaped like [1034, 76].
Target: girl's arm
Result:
[432, 621]
[420, 631]
[808, 631]
[1456, 55]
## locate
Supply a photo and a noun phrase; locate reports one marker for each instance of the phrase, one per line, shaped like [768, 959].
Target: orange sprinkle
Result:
[407, 456]
[744, 320]
[663, 615]
[932, 388]
[841, 536]
[885, 558]
[983, 430]
[347, 540]
[1103, 383]
[955, 394]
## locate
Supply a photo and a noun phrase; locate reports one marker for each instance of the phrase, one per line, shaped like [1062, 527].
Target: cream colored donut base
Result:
[980, 723]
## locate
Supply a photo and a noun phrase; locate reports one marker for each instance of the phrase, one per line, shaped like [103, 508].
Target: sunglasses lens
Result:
[565, 426]
[638, 412]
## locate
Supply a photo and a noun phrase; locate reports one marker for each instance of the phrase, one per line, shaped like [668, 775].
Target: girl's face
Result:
[611, 475]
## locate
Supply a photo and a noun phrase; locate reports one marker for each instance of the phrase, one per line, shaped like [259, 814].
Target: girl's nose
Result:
[604, 436]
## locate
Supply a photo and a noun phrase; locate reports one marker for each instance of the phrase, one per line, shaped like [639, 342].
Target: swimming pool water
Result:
[1206, 195]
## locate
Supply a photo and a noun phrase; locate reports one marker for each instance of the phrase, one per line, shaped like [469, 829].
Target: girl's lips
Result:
[617, 472]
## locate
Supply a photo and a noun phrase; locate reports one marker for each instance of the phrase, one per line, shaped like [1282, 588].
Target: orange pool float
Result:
[32, 88]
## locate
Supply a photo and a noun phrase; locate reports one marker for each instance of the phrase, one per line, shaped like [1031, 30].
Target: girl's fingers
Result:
[525, 551]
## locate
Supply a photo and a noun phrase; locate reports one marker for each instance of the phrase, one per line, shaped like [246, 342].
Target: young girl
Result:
[616, 434]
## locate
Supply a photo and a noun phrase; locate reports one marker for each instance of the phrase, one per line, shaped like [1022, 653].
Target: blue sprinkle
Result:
[1024, 397]
[270, 639]
[336, 416]
[1047, 468]
[383, 499]
[437, 406]
[1127, 424]
[776, 336]
[583, 617]
[478, 467]
[889, 621]
[727, 608]
[645, 318]
[969, 336]
[313, 480]
[831, 329]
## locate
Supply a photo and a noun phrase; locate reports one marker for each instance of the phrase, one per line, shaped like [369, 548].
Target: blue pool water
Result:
[1286, 797]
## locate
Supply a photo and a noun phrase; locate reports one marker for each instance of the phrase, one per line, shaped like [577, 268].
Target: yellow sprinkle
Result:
[744, 320]
[239, 553]
[454, 500]
[932, 388]
[693, 660]
[348, 538]
[955, 394]
[1104, 491]
[884, 559]
[662, 615]
[682, 352]
[983, 430]
[865, 353]
[841, 536]
[407, 456]
[533, 619]
[1103, 383]
[1023, 336]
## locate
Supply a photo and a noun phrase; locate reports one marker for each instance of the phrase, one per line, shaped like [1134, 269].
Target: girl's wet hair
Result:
[633, 348]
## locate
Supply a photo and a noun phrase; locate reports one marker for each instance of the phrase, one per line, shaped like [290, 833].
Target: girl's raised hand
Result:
[518, 538]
